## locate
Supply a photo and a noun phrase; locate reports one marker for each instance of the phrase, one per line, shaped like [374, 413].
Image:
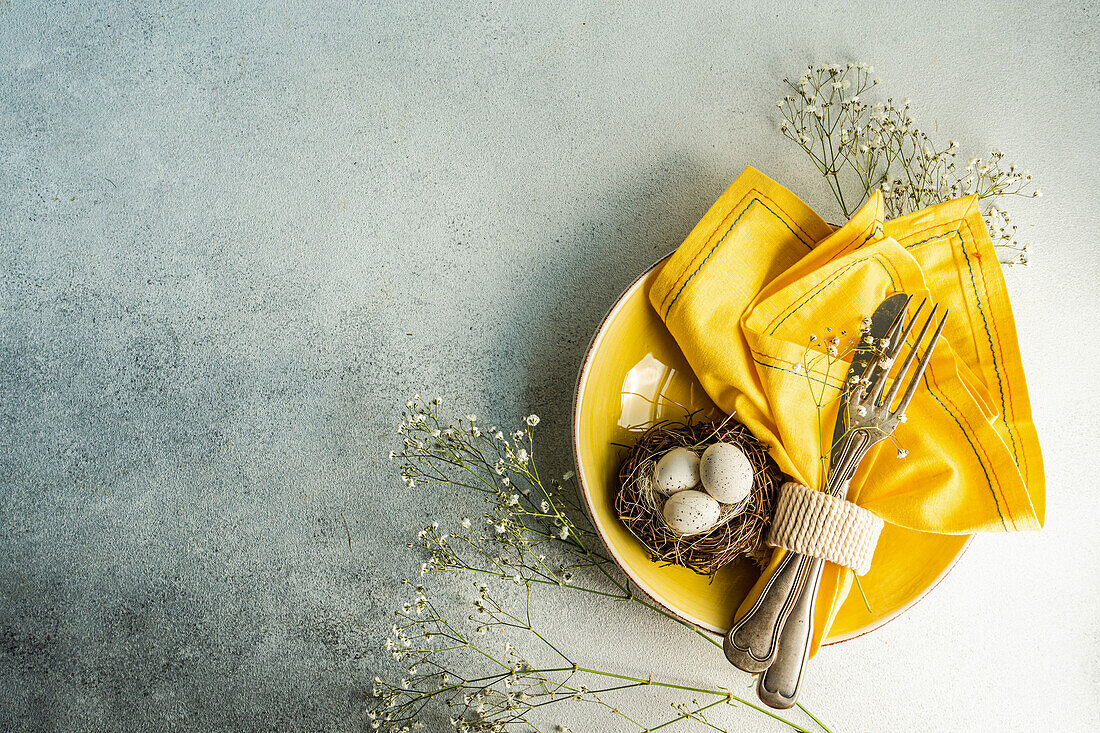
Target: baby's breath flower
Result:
[505, 547]
[881, 144]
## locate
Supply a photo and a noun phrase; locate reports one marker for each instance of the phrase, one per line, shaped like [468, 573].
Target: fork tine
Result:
[915, 381]
[889, 398]
[896, 346]
[870, 372]
[893, 349]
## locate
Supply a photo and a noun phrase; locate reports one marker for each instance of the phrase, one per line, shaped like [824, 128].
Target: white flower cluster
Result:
[533, 535]
[860, 146]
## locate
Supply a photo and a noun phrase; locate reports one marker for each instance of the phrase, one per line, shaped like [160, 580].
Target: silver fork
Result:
[774, 635]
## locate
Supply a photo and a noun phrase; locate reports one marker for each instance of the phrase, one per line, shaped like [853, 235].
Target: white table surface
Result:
[230, 235]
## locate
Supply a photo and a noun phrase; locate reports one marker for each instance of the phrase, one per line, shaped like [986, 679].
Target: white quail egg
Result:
[677, 470]
[691, 512]
[726, 473]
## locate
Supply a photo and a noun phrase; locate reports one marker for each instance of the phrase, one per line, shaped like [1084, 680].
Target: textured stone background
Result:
[233, 238]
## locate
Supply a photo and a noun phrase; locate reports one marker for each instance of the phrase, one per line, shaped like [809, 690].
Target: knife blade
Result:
[881, 320]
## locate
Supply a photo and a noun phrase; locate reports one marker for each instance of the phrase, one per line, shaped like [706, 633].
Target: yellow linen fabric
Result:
[761, 273]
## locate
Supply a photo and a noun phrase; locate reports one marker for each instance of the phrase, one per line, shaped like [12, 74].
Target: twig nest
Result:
[691, 512]
[665, 500]
[726, 473]
[677, 470]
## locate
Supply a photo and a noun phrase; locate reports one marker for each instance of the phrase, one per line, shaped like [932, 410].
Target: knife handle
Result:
[752, 641]
[778, 686]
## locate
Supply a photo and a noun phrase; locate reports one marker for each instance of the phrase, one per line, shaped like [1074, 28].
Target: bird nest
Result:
[740, 529]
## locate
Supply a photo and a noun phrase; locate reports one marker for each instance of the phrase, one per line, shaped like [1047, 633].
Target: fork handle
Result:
[778, 686]
[753, 639]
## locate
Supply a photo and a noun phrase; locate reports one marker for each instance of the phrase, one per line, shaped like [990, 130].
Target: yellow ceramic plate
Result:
[634, 375]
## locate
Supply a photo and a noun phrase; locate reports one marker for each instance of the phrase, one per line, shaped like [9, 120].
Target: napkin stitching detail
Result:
[994, 353]
[706, 242]
[873, 226]
[1017, 454]
[923, 241]
[985, 325]
[755, 200]
[790, 371]
[820, 288]
[996, 503]
[917, 232]
[788, 215]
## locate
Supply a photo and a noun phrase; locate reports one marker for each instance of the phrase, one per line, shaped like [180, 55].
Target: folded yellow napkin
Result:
[762, 273]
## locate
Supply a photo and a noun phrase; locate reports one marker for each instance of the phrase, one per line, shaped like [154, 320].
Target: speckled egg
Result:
[691, 512]
[677, 470]
[726, 473]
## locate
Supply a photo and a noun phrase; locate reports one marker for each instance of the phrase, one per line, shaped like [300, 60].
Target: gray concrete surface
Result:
[234, 237]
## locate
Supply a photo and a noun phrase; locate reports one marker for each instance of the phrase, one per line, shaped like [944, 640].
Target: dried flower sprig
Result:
[533, 534]
[860, 146]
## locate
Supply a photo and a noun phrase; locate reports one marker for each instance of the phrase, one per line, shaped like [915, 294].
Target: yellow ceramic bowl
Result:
[634, 375]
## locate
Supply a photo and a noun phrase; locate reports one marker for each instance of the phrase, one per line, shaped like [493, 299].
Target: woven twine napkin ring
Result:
[825, 526]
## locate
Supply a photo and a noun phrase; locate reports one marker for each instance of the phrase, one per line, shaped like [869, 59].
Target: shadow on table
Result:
[645, 221]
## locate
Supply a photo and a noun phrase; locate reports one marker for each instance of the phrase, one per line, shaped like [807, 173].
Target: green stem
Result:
[814, 718]
[861, 593]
